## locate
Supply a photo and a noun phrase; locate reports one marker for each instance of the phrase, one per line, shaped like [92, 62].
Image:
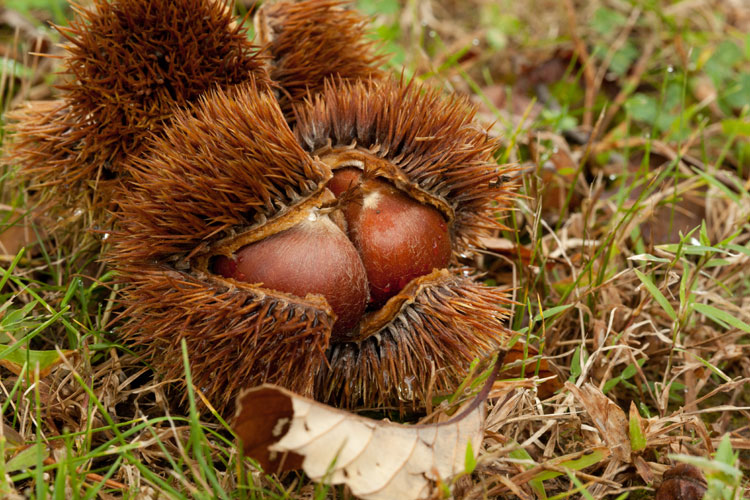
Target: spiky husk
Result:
[133, 63]
[311, 41]
[426, 348]
[49, 147]
[429, 137]
[64, 182]
[229, 167]
[226, 165]
[229, 164]
[130, 65]
[44, 134]
[237, 336]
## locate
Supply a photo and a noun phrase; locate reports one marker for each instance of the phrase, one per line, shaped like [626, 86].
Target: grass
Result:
[629, 256]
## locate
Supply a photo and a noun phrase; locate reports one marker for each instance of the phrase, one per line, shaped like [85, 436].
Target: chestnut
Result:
[682, 482]
[399, 238]
[314, 256]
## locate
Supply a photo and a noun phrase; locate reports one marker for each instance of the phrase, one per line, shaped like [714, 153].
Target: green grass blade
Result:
[656, 294]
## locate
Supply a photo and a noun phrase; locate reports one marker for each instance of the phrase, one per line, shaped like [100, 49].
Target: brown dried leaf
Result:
[609, 419]
[376, 459]
[670, 221]
[19, 232]
[643, 469]
[541, 367]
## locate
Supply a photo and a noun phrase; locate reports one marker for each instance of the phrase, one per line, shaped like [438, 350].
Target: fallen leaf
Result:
[15, 359]
[533, 366]
[17, 455]
[670, 221]
[12, 437]
[18, 231]
[608, 418]
[27, 458]
[643, 469]
[377, 459]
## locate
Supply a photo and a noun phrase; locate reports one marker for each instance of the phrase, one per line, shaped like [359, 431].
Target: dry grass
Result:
[628, 121]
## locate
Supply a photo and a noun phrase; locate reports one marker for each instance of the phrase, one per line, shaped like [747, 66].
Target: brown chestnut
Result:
[398, 238]
[314, 256]
[682, 482]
